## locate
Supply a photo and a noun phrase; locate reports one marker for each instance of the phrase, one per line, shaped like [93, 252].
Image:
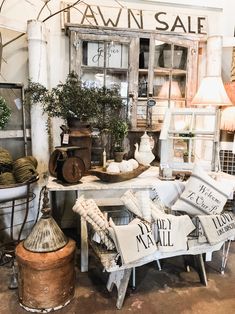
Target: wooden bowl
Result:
[117, 177]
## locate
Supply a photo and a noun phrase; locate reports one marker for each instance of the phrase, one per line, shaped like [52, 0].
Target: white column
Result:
[37, 50]
[214, 56]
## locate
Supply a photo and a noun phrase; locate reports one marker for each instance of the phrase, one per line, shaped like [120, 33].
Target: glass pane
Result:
[117, 55]
[144, 53]
[181, 123]
[178, 86]
[180, 57]
[93, 53]
[158, 53]
[205, 123]
[14, 102]
[159, 111]
[143, 84]
[93, 78]
[161, 86]
[141, 114]
[117, 79]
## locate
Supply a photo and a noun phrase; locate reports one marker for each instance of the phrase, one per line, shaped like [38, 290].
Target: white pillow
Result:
[202, 195]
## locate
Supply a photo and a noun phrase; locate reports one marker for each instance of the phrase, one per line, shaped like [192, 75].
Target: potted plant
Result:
[118, 129]
[73, 99]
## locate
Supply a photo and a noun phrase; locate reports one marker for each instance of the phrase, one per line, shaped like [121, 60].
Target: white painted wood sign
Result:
[159, 19]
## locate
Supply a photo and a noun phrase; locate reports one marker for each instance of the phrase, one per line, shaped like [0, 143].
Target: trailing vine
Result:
[5, 113]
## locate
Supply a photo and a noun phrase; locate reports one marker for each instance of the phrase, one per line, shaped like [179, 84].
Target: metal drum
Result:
[46, 276]
[46, 281]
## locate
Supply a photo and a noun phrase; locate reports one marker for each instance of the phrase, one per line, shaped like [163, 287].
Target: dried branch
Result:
[2, 5]
[45, 4]
[62, 10]
[9, 42]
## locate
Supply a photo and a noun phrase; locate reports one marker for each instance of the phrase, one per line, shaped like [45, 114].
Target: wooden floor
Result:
[171, 290]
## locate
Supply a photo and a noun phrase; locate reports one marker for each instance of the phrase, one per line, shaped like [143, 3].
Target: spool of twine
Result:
[24, 169]
[5, 157]
[7, 178]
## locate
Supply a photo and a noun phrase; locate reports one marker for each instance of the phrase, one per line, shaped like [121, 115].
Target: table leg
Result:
[84, 246]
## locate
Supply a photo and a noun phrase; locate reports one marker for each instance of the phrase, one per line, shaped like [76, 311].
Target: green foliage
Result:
[5, 113]
[110, 106]
[75, 99]
[119, 129]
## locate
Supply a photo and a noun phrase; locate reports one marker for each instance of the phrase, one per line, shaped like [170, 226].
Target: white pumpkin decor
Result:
[113, 167]
[125, 166]
[134, 163]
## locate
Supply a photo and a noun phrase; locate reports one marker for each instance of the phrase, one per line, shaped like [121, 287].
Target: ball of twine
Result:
[5, 157]
[7, 178]
[24, 170]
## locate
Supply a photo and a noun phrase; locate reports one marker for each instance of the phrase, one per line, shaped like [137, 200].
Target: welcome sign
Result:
[128, 18]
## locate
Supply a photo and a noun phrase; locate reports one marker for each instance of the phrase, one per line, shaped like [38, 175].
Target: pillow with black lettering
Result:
[202, 195]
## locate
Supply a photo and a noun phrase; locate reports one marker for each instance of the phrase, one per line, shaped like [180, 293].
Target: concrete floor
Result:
[171, 290]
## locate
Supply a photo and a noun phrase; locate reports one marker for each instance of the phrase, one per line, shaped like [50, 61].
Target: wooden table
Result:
[105, 194]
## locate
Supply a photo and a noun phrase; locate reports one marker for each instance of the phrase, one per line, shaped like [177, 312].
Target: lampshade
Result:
[175, 90]
[227, 122]
[230, 90]
[211, 93]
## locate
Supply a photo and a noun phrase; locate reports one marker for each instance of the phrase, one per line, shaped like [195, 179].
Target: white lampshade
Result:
[211, 93]
[227, 121]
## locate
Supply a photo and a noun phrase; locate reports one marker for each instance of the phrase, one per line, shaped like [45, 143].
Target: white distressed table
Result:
[105, 194]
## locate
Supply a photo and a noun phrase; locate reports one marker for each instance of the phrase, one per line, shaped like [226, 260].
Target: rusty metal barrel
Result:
[46, 281]
[46, 270]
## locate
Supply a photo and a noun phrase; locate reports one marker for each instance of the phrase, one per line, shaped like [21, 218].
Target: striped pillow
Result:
[202, 195]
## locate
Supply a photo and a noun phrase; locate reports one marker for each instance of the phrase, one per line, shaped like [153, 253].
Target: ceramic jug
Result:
[143, 153]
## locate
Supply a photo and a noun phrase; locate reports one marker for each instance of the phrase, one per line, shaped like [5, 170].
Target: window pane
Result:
[178, 86]
[180, 57]
[117, 79]
[117, 55]
[93, 53]
[93, 78]
[144, 53]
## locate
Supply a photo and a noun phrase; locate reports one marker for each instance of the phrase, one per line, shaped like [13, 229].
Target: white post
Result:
[37, 50]
[213, 68]
[214, 56]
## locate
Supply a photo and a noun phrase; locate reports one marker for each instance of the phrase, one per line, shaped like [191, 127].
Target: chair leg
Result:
[120, 278]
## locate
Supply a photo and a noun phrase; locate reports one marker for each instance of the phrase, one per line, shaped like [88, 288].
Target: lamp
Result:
[211, 92]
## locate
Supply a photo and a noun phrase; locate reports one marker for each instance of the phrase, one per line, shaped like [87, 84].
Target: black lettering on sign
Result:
[140, 23]
[179, 24]
[109, 21]
[166, 26]
[86, 15]
[189, 26]
[200, 25]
